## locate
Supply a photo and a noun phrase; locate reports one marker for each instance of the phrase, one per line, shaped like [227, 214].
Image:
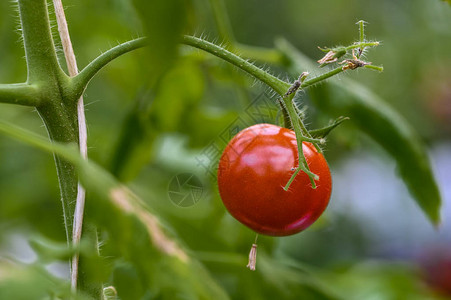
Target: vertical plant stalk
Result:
[45, 76]
[82, 135]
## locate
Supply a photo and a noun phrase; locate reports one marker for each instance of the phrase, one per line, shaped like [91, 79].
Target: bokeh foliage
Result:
[152, 115]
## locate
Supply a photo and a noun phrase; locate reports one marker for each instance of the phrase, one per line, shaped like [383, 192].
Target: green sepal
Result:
[323, 132]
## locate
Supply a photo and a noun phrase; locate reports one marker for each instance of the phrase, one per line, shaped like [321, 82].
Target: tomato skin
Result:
[435, 264]
[253, 169]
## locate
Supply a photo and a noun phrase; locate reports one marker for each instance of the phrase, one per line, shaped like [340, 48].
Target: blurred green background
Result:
[373, 242]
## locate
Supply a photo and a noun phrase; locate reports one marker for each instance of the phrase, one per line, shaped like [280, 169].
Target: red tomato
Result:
[436, 267]
[256, 165]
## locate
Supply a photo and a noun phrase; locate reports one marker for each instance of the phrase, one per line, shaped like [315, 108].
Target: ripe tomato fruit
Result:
[436, 269]
[256, 165]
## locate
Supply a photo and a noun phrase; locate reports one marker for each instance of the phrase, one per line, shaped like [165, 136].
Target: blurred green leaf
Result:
[134, 146]
[138, 234]
[293, 282]
[378, 280]
[164, 22]
[177, 97]
[179, 92]
[376, 118]
[30, 282]
[49, 250]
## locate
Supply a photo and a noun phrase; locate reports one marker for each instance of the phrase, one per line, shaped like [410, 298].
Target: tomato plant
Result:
[254, 168]
[274, 180]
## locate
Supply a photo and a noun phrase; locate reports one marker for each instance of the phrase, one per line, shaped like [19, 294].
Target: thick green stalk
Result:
[57, 105]
[40, 52]
[55, 108]
[61, 126]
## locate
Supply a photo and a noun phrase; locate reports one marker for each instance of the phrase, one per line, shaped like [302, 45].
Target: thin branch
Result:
[322, 77]
[82, 135]
[20, 93]
[275, 83]
[82, 79]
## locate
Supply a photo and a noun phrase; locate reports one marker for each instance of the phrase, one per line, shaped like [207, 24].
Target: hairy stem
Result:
[45, 74]
[60, 122]
[82, 136]
[275, 83]
[361, 31]
[362, 45]
[321, 77]
[302, 163]
[80, 81]
[56, 104]
[40, 54]
[20, 93]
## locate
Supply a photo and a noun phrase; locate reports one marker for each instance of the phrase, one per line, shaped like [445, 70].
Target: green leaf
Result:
[136, 234]
[376, 118]
[22, 282]
[49, 250]
[177, 96]
[379, 279]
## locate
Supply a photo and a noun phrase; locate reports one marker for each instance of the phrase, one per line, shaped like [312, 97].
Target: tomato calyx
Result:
[293, 117]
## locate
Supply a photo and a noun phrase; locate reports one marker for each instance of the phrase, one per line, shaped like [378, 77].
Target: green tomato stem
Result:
[80, 81]
[40, 54]
[313, 81]
[302, 162]
[20, 93]
[361, 30]
[275, 83]
[362, 45]
[376, 68]
[48, 82]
